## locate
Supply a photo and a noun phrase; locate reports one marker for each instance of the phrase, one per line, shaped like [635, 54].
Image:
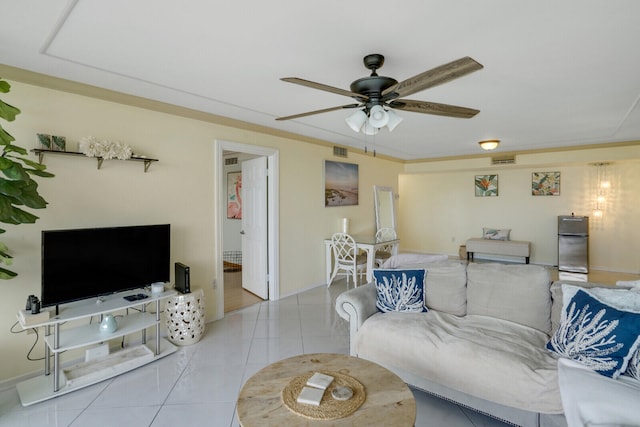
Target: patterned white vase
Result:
[185, 317]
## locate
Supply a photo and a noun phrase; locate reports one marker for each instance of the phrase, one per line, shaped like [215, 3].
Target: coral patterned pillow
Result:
[596, 334]
[400, 290]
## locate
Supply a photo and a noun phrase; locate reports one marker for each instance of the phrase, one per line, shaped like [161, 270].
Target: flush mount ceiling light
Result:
[489, 144]
[376, 95]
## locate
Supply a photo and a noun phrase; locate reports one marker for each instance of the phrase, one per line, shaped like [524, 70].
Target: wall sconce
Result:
[489, 144]
[602, 188]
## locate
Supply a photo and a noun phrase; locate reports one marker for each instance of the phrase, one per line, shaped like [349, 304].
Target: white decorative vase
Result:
[185, 317]
[108, 324]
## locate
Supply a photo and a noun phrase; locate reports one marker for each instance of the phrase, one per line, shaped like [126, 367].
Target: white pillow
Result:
[495, 233]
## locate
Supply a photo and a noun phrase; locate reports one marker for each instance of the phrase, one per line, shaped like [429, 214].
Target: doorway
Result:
[228, 283]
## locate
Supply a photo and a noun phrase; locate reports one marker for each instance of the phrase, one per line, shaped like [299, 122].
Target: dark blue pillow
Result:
[400, 290]
[597, 335]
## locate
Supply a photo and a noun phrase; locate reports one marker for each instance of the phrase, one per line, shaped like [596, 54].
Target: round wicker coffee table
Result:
[388, 400]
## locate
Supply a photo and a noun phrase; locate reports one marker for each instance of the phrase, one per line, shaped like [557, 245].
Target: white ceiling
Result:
[556, 73]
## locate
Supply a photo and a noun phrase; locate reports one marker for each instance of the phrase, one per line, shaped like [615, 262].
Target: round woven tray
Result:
[330, 408]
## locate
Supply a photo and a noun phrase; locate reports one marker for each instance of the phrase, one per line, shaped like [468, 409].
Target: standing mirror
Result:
[385, 212]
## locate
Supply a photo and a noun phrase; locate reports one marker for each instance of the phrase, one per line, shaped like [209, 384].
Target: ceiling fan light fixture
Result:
[394, 120]
[378, 117]
[489, 144]
[370, 130]
[356, 120]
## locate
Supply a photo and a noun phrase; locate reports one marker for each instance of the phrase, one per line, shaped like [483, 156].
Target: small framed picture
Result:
[340, 183]
[486, 185]
[44, 141]
[545, 184]
[234, 195]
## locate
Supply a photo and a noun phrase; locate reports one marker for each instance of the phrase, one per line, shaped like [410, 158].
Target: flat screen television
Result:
[90, 262]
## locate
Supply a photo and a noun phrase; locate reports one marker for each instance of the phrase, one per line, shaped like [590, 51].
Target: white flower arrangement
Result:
[91, 146]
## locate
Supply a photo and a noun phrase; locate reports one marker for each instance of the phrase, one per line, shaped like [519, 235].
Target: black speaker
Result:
[183, 278]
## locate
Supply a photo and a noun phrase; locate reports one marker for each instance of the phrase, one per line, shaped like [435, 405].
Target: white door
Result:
[254, 227]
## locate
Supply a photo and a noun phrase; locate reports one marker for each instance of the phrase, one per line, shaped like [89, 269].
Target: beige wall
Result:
[179, 189]
[439, 211]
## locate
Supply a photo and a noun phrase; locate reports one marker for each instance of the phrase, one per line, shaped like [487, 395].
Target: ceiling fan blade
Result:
[433, 108]
[324, 87]
[435, 76]
[326, 110]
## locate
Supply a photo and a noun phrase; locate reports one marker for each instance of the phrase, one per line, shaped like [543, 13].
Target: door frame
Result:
[220, 199]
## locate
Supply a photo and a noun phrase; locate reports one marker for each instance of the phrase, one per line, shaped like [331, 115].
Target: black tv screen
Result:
[90, 262]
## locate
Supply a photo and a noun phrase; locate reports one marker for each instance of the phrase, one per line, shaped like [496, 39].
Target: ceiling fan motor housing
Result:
[371, 87]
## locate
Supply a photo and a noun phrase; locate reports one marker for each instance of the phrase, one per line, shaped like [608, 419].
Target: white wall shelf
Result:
[41, 152]
[59, 381]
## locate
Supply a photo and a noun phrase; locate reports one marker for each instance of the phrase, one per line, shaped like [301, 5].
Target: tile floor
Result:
[199, 384]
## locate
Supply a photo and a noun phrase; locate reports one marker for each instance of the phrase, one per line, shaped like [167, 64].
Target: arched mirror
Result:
[384, 206]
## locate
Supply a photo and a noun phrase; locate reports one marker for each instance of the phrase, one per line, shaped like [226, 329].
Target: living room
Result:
[436, 201]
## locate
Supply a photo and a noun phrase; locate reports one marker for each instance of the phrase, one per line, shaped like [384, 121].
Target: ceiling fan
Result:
[378, 95]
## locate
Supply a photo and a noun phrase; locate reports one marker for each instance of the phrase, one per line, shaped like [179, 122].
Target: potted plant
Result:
[17, 188]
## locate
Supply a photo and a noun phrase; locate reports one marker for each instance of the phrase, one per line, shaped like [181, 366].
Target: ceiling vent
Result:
[503, 160]
[339, 151]
[231, 161]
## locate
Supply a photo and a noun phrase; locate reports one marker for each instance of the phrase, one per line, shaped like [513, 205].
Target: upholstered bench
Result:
[499, 247]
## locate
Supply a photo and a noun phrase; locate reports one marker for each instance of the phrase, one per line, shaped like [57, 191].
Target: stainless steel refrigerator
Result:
[573, 244]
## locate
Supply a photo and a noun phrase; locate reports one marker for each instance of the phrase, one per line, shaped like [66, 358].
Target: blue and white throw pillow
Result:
[596, 334]
[400, 290]
[633, 370]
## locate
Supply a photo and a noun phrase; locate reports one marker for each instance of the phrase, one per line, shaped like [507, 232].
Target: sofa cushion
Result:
[413, 260]
[518, 293]
[557, 302]
[400, 290]
[601, 336]
[446, 287]
[489, 358]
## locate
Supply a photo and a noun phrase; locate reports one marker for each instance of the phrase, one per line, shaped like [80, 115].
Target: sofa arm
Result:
[356, 306]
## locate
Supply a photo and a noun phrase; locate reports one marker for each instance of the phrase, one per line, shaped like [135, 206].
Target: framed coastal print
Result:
[234, 196]
[486, 185]
[545, 184]
[340, 183]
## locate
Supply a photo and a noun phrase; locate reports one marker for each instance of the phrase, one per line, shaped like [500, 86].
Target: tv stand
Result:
[80, 375]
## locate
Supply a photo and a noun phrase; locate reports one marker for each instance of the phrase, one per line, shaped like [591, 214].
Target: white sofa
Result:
[481, 344]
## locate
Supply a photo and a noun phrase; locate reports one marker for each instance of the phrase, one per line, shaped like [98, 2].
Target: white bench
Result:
[499, 247]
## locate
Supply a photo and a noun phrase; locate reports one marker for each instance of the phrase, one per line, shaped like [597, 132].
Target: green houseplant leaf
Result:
[17, 188]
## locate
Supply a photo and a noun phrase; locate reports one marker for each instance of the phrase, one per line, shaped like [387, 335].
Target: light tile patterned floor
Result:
[199, 384]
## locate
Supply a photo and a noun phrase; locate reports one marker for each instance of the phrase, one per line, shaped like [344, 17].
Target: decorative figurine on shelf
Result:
[108, 324]
[90, 146]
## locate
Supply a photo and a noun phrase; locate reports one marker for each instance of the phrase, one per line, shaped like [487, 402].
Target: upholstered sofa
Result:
[481, 343]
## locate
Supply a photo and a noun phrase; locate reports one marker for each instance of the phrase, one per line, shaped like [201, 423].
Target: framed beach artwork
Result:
[486, 185]
[234, 196]
[340, 183]
[545, 184]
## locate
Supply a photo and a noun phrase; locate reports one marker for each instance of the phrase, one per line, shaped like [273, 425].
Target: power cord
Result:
[35, 330]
